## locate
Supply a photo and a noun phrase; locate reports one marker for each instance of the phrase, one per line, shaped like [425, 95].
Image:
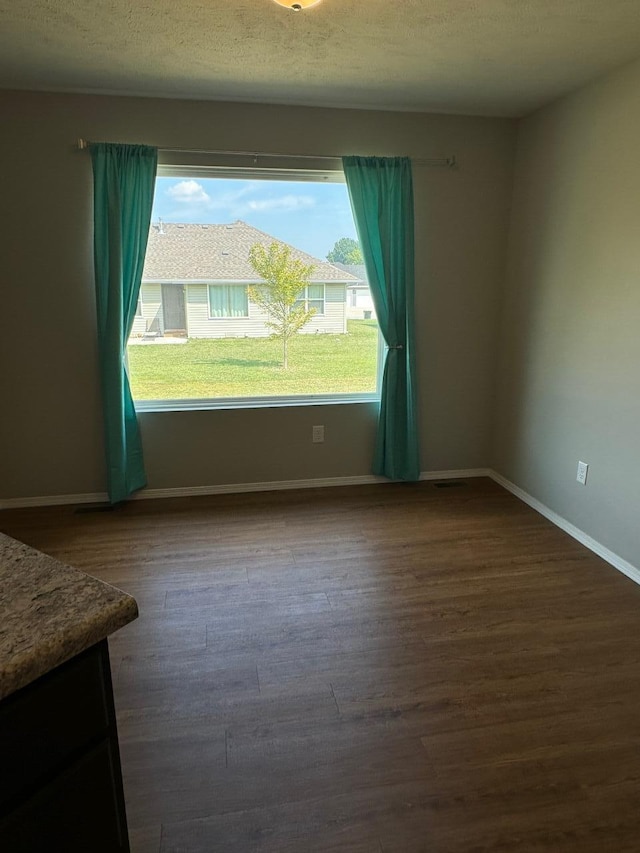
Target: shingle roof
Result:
[359, 271]
[217, 253]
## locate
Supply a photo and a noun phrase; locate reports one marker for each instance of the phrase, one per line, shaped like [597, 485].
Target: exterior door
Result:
[173, 308]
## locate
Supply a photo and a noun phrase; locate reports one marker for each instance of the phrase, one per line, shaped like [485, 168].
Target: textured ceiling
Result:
[493, 57]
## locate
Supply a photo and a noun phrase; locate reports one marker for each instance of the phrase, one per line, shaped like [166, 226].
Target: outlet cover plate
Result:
[317, 434]
[583, 470]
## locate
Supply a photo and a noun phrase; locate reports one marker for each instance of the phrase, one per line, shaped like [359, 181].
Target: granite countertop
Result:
[49, 613]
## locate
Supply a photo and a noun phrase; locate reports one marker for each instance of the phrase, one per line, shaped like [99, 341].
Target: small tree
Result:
[346, 251]
[285, 279]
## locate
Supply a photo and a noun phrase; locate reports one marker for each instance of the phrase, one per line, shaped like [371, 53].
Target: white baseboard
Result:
[54, 500]
[284, 485]
[234, 488]
[613, 559]
[460, 474]
[241, 488]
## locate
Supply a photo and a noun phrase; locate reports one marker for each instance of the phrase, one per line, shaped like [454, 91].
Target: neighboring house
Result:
[196, 278]
[359, 302]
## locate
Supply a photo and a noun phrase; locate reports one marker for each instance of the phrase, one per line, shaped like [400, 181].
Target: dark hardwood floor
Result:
[384, 669]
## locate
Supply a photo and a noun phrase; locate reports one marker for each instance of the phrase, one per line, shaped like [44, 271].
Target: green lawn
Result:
[251, 367]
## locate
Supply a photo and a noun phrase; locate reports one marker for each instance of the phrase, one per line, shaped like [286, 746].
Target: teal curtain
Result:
[381, 193]
[123, 186]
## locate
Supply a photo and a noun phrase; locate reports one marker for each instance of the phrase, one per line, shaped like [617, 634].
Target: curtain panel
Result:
[124, 183]
[381, 194]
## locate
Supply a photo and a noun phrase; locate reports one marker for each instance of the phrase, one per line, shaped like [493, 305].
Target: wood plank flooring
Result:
[384, 669]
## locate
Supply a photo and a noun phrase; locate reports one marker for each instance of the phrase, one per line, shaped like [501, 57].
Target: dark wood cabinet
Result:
[60, 776]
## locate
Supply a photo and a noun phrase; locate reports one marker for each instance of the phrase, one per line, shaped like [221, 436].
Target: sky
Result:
[311, 216]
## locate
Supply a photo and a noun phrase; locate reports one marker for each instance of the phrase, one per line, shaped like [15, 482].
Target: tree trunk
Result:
[285, 361]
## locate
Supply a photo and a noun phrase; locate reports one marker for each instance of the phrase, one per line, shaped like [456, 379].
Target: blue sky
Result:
[308, 215]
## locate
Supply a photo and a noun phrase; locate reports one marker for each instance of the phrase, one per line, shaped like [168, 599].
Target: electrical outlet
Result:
[583, 470]
[317, 434]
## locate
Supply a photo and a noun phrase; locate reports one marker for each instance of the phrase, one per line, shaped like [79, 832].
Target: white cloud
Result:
[193, 201]
[284, 204]
[189, 192]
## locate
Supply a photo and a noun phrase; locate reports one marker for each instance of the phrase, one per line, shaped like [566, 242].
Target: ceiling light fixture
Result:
[299, 5]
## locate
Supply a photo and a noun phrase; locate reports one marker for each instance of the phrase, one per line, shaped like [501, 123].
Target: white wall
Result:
[52, 440]
[569, 384]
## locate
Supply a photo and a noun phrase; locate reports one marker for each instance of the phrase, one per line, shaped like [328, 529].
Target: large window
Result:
[247, 293]
[228, 300]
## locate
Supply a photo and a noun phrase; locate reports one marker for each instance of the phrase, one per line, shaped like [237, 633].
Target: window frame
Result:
[280, 172]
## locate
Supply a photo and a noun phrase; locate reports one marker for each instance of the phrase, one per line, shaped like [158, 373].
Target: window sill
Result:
[252, 403]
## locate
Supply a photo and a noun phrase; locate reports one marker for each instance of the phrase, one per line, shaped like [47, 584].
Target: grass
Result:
[251, 367]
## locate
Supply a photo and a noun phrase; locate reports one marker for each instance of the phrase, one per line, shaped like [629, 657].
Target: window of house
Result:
[233, 255]
[312, 298]
[228, 300]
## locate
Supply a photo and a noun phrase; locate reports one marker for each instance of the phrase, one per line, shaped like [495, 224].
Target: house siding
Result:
[152, 319]
[200, 325]
[335, 314]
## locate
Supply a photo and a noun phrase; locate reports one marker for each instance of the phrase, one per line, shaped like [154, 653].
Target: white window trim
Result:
[246, 316]
[217, 403]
